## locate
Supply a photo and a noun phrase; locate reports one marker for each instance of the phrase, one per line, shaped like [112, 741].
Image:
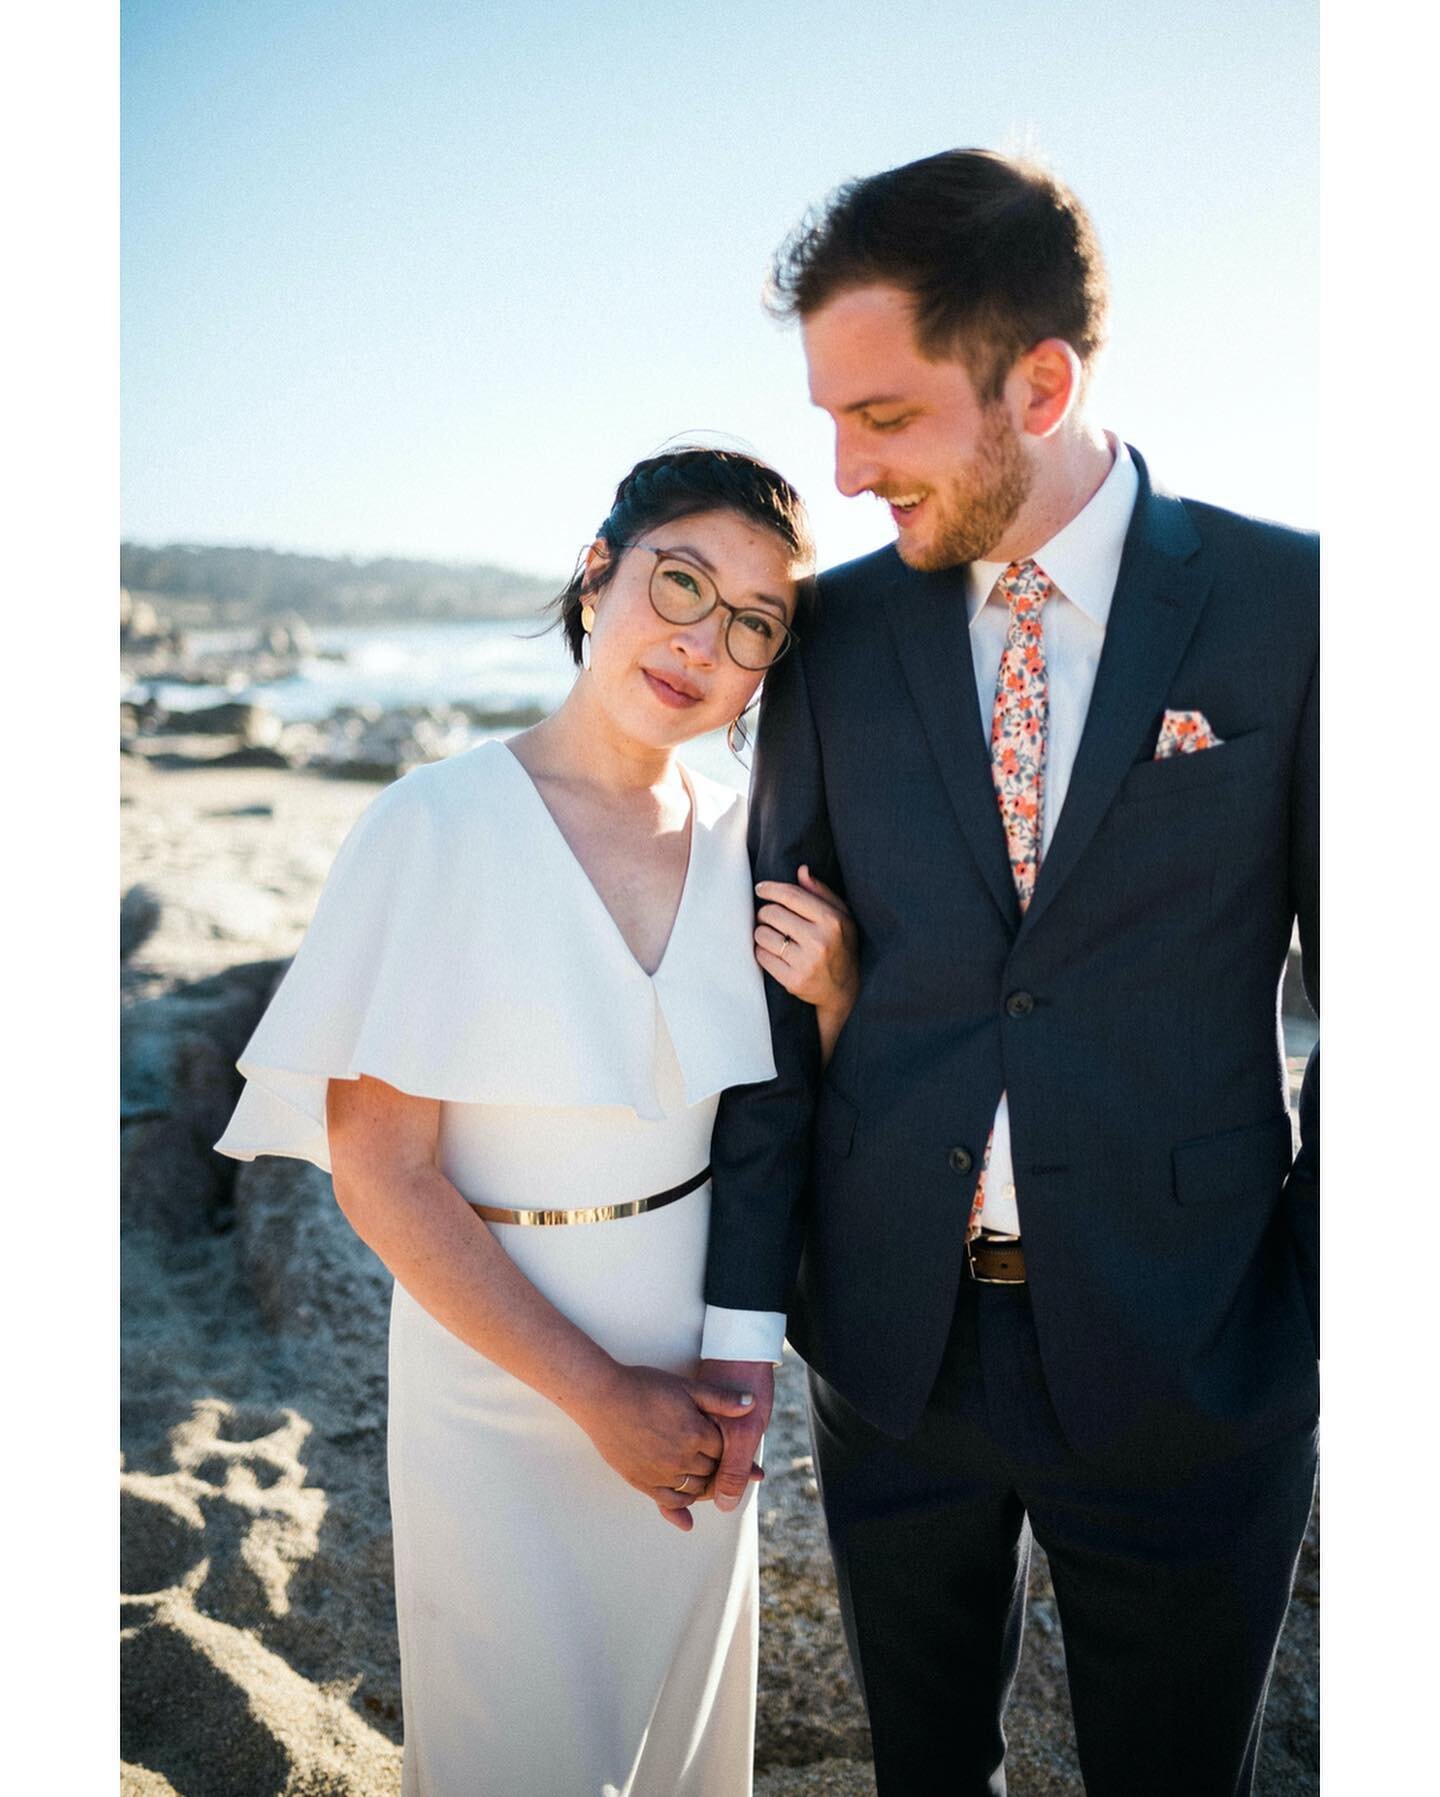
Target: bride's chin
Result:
[667, 731]
[664, 727]
[686, 730]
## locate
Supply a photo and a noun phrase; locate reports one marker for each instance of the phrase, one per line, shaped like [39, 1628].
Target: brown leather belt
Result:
[996, 1259]
[591, 1213]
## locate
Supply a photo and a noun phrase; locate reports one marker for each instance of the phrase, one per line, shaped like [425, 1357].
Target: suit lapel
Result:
[1161, 589]
[927, 618]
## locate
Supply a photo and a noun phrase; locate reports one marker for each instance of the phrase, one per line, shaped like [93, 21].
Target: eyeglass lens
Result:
[682, 593]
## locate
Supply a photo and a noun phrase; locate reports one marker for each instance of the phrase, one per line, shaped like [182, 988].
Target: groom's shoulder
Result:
[1261, 571]
[849, 611]
[1264, 543]
[849, 600]
[856, 582]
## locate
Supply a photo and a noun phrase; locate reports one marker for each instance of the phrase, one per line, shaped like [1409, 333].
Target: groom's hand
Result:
[739, 1460]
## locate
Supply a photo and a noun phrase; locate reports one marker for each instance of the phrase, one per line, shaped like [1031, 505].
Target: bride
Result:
[532, 971]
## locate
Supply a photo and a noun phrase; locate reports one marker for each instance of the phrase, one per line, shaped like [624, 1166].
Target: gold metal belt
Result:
[593, 1213]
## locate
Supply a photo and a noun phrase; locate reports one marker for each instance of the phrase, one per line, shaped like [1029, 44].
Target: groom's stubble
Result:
[976, 506]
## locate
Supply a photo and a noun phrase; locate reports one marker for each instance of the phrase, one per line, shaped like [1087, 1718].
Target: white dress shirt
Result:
[1082, 561]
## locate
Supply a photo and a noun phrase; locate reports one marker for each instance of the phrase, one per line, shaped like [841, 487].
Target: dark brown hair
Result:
[997, 254]
[677, 484]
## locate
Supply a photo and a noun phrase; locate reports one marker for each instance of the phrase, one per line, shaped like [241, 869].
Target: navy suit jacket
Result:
[1170, 1237]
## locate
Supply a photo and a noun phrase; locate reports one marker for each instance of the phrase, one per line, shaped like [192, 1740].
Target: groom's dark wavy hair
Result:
[996, 253]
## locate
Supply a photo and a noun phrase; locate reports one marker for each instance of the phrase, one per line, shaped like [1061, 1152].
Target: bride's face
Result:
[663, 682]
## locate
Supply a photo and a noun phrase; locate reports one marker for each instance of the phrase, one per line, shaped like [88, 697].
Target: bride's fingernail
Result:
[747, 1397]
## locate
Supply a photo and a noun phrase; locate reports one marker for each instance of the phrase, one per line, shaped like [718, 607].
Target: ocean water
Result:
[495, 663]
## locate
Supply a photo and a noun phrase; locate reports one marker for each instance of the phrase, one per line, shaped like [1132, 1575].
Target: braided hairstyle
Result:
[678, 483]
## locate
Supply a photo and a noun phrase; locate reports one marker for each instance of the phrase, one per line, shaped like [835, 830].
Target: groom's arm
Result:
[760, 1152]
[1302, 1188]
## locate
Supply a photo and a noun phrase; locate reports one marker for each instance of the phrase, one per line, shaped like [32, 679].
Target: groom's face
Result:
[913, 431]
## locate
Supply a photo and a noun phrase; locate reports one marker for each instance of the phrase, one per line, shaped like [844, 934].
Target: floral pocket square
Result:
[1183, 733]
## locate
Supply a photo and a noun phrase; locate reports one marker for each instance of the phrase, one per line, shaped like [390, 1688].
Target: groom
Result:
[1037, 1226]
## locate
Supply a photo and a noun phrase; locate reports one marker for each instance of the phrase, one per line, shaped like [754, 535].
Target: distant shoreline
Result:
[210, 586]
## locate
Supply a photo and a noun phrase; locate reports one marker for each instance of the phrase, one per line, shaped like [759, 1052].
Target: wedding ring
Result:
[684, 1486]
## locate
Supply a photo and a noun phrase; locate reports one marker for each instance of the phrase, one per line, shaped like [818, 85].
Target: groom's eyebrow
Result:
[694, 555]
[875, 399]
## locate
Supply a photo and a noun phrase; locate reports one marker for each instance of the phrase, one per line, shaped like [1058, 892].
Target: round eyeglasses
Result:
[682, 592]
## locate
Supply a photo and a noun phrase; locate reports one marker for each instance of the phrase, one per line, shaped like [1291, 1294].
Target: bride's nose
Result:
[704, 640]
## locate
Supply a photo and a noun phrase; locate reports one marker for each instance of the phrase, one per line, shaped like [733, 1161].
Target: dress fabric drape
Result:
[557, 1638]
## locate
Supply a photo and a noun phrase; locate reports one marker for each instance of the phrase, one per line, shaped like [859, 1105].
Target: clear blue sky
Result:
[425, 278]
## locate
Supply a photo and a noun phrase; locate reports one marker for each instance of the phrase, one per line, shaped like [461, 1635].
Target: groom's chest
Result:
[910, 789]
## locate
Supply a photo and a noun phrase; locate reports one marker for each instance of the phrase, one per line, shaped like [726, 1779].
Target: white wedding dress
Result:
[557, 1637]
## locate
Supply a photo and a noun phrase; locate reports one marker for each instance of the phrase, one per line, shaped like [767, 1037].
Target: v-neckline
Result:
[580, 868]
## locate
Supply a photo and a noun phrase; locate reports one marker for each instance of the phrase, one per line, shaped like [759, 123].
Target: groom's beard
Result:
[975, 509]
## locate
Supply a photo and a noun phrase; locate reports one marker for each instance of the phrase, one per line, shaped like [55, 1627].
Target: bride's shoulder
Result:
[477, 779]
[717, 806]
[461, 807]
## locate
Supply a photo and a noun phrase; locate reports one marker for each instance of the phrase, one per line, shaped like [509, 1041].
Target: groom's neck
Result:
[1068, 470]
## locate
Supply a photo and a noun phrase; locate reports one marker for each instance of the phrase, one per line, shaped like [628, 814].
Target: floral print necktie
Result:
[1017, 751]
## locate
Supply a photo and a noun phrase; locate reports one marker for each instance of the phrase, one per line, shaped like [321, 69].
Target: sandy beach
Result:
[257, 1647]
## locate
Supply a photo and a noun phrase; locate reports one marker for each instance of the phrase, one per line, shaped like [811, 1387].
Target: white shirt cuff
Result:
[743, 1334]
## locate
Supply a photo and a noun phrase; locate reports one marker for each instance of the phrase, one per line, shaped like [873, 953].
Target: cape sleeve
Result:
[458, 954]
[346, 1004]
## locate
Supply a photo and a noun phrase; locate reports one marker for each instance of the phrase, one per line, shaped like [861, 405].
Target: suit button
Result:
[1020, 1004]
[961, 1160]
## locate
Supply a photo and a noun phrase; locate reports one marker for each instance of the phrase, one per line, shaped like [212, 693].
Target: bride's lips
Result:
[672, 690]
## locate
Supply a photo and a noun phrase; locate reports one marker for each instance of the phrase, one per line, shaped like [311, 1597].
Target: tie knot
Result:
[1025, 587]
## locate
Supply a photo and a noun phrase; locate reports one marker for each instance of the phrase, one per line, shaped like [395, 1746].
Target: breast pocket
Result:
[1178, 774]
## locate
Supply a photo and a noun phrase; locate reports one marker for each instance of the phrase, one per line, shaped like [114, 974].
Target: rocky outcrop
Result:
[307, 1270]
[144, 632]
[288, 638]
[153, 648]
[355, 742]
[250, 724]
[139, 919]
[178, 1086]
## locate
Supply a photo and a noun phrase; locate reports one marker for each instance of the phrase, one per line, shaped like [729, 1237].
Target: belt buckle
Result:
[980, 1278]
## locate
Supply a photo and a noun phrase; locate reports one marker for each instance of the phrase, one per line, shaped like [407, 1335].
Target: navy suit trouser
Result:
[1171, 1576]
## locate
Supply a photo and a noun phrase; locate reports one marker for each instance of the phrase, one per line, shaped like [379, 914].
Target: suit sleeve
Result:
[760, 1155]
[1302, 1189]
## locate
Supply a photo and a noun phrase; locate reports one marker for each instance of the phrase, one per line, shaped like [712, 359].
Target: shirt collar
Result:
[1083, 557]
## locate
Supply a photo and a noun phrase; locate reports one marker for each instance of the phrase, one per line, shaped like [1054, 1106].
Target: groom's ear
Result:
[1044, 386]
